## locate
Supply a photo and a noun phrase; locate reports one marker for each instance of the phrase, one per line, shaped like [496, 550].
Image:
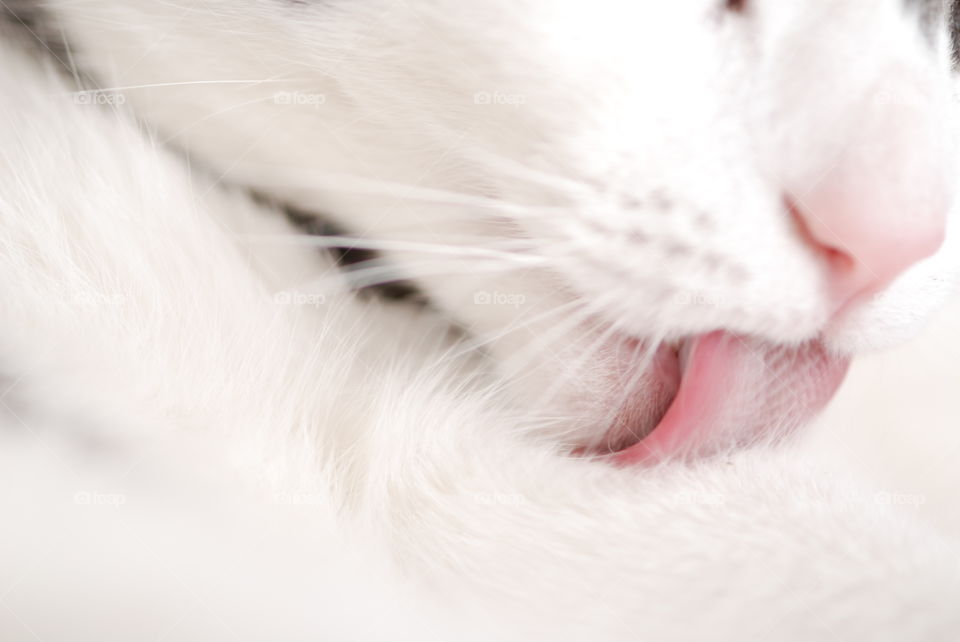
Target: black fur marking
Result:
[954, 19]
[35, 23]
[347, 256]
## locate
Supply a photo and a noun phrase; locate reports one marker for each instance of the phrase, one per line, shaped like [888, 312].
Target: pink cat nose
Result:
[881, 209]
[865, 245]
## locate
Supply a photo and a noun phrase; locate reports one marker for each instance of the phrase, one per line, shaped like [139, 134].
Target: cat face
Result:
[779, 173]
[766, 171]
[761, 167]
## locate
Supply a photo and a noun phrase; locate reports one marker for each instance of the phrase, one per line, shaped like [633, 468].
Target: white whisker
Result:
[353, 242]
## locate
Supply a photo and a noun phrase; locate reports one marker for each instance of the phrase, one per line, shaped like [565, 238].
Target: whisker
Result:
[524, 172]
[539, 345]
[574, 368]
[486, 339]
[355, 242]
[352, 183]
[376, 272]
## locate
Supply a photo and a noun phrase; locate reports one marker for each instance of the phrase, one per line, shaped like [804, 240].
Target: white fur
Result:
[375, 114]
[141, 317]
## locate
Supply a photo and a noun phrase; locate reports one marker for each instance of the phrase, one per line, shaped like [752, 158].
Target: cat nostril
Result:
[862, 249]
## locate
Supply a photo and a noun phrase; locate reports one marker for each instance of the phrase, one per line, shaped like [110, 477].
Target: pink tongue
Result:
[735, 390]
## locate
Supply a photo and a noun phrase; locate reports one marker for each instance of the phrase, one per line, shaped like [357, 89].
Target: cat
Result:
[500, 157]
[139, 272]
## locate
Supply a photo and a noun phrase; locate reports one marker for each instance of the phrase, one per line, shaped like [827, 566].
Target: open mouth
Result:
[719, 391]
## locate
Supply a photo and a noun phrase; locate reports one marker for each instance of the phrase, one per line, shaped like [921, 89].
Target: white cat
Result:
[595, 186]
[499, 155]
